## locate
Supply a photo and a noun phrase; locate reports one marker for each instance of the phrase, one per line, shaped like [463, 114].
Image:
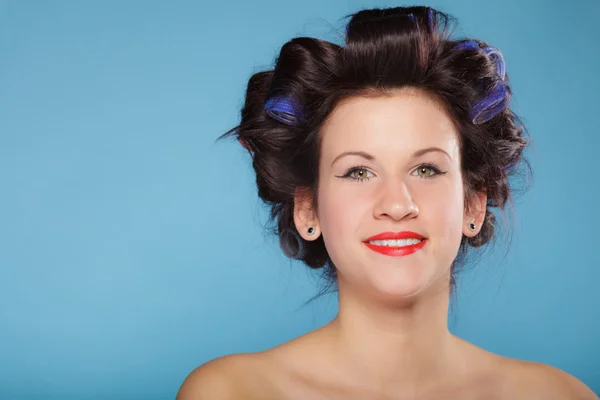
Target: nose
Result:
[395, 202]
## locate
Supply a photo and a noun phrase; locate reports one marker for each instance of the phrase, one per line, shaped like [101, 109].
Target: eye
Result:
[358, 174]
[428, 171]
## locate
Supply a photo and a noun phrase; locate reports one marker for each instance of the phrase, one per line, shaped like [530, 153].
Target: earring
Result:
[472, 225]
[311, 230]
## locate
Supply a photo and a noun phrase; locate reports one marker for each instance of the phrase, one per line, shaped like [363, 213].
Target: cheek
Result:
[341, 216]
[442, 210]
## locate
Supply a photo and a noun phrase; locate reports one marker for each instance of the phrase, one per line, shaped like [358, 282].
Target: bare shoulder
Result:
[268, 374]
[535, 380]
[228, 377]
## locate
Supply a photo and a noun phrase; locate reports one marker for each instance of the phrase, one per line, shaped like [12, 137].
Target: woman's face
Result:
[408, 178]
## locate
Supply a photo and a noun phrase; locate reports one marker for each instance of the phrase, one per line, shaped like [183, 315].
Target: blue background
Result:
[131, 243]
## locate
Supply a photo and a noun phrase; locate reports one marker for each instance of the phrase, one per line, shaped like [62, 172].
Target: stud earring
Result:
[311, 230]
[472, 225]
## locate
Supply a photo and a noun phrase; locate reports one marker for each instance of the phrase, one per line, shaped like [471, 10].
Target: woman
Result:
[382, 161]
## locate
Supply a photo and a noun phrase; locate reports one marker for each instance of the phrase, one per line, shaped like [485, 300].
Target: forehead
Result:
[403, 121]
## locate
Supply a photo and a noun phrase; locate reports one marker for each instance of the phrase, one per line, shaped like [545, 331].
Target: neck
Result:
[393, 346]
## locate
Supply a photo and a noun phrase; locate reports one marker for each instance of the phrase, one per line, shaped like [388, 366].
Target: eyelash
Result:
[431, 166]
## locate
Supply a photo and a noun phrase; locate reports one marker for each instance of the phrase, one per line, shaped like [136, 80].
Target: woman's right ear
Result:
[305, 218]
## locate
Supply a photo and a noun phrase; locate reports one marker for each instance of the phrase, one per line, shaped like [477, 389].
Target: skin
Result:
[390, 339]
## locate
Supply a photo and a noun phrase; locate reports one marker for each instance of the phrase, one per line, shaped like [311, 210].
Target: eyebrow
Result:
[369, 157]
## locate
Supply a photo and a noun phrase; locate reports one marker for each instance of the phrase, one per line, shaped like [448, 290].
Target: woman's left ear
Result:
[475, 214]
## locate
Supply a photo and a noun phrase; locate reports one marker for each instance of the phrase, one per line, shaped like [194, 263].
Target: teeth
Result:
[395, 243]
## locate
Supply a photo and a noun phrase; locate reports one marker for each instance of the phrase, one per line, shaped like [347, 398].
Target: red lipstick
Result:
[396, 251]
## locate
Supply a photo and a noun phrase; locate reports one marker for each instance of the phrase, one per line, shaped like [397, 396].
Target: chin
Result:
[413, 277]
[405, 283]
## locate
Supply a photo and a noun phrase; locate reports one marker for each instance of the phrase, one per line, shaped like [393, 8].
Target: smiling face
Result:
[404, 175]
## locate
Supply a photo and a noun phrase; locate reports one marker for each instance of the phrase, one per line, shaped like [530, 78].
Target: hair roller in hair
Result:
[498, 60]
[284, 110]
[468, 45]
[493, 103]
[415, 20]
[291, 243]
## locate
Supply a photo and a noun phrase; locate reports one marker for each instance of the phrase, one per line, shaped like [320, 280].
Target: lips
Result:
[395, 236]
[396, 251]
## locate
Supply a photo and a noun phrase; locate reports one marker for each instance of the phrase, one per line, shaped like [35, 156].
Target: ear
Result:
[304, 215]
[475, 210]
